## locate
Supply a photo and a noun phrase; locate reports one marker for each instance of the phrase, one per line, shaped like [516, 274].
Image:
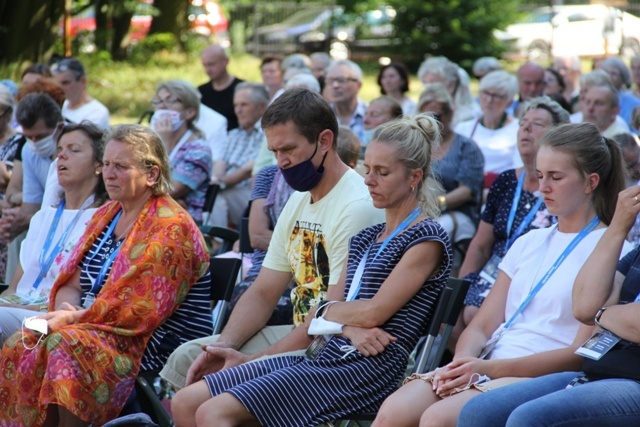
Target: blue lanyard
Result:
[98, 282]
[576, 240]
[512, 214]
[45, 264]
[353, 290]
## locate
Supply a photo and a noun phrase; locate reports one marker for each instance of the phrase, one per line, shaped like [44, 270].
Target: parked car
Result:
[328, 29]
[205, 17]
[584, 30]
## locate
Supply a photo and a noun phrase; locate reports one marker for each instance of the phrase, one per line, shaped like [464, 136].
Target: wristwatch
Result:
[596, 319]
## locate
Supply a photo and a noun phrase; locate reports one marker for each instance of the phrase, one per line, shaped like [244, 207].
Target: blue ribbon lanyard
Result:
[96, 284]
[512, 214]
[576, 240]
[354, 290]
[44, 261]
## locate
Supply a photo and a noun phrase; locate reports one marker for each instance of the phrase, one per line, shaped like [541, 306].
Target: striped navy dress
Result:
[190, 321]
[294, 391]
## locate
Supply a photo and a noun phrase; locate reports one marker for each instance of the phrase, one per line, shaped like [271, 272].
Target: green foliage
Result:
[461, 30]
[151, 44]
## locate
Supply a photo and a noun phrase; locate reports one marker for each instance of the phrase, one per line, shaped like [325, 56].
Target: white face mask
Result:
[45, 148]
[176, 121]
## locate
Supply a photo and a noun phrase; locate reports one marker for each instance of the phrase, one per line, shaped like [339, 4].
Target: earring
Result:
[413, 189]
[97, 172]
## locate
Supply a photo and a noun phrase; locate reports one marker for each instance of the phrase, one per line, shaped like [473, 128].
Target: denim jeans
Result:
[546, 402]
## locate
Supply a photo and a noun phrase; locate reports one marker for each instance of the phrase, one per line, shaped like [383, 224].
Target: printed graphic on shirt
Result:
[310, 266]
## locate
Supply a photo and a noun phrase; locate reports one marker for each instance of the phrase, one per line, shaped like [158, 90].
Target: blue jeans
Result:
[546, 402]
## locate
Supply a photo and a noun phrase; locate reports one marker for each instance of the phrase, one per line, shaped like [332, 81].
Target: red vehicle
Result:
[205, 16]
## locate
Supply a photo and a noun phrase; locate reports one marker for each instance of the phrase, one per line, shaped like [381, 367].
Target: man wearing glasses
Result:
[342, 84]
[79, 105]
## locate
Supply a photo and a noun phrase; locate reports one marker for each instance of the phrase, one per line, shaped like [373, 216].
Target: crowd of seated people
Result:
[353, 211]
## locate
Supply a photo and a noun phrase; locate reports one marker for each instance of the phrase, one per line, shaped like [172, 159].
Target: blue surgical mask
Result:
[304, 176]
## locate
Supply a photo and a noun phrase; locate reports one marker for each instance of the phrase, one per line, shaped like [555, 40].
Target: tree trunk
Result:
[28, 29]
[102, 23]
[172, 18]
[121, 20]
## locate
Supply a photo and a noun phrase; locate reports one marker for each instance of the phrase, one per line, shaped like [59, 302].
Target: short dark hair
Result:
[36, 106]
[269, 59]
[307, 110]
[72, 65]
[95, 135]
[40, 69]
[404, 75]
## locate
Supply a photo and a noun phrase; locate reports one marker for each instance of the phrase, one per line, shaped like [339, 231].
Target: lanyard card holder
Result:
[598, 345]
[317, 345]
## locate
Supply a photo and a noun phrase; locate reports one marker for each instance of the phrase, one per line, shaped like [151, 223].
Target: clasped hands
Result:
[455, 375]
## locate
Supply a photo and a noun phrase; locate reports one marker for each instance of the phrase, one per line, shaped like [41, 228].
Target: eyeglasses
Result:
[167, 101]
[492, 96]
[340, 80]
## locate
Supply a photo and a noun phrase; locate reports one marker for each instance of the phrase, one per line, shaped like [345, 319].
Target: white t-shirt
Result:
[547, 323]
[35, 241]
[312, 240]
[499, 146]
[214, 127]
[93, 111]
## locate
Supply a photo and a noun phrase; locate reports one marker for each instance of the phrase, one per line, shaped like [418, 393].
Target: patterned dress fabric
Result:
[90, 367]
[295, 391]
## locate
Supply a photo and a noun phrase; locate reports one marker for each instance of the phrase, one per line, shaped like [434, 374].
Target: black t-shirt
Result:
[221, 100]
[629, 266]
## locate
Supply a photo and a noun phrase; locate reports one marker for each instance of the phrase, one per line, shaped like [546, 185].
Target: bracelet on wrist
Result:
[597, 317]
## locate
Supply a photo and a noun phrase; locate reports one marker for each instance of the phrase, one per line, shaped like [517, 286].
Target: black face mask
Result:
[304, 176]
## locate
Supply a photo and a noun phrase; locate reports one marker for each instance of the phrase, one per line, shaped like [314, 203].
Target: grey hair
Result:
[440, 66]
[436, 92]
[322, 56]
[415, 140]
[6, 98]
[618, 64]
[485, 65]
[595, 78]
[558, 114]
[303, 80]
[295, 60]
[502, 81]
[188, 95]
[259, 93]
[356, 71]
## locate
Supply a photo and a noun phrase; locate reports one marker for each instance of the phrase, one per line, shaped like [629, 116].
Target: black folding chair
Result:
[428, 357]
[224, 275]
[226, 236]
[209, 201]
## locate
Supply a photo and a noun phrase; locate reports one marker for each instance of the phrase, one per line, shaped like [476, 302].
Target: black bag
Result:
[622, 361]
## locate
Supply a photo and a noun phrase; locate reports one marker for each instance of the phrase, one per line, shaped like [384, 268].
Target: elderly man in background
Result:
[218, 92]
[232, 171]
[79, 105]
[621, 79]
[530, 85]
[343, 82]
[600, 107]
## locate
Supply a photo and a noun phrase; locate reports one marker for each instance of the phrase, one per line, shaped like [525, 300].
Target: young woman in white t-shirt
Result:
[580, 174]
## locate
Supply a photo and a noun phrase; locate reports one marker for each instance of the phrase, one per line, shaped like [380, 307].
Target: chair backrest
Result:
[224, 274]
[245, 241]
[451, 306]
[209, 201]
[226, 235]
